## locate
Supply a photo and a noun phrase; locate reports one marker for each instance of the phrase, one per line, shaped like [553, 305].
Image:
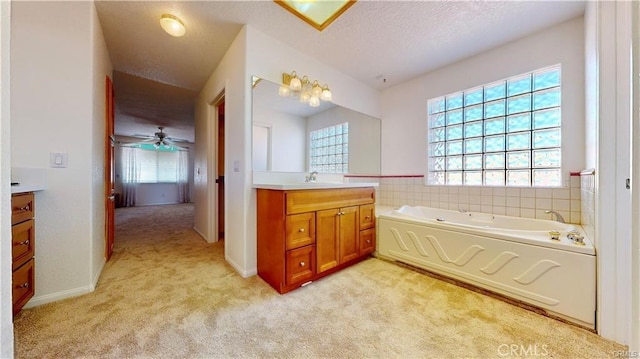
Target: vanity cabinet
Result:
[304, 235]
[22, 249]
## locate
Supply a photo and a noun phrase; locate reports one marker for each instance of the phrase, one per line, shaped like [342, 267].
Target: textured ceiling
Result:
[396, 39]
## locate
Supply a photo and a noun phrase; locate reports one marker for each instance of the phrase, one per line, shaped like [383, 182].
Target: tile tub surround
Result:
[588, 195]
[518, 202]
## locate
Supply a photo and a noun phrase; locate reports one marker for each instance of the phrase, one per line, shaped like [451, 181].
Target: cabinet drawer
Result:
[23, 283]
[22, 242]
[22, 207]
[301, 230]
[300, 264]
[319, 199]
[367, 241]
[367, 216]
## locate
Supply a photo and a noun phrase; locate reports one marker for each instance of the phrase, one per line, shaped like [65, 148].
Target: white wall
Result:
[288, 138]
[404, 106]
[613, 201]
[101, 67]
[590, 84]
[57, 88]
[6, 314]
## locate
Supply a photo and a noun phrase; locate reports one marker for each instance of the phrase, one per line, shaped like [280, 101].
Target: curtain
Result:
[130, 175]
[182, 176]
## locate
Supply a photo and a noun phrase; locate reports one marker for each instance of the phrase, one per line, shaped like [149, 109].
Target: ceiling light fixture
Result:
[307, 91]
[172, 25]
[318, 14]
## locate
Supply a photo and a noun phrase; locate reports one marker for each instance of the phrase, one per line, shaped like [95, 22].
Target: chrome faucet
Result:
[311, 177]
[559, 217]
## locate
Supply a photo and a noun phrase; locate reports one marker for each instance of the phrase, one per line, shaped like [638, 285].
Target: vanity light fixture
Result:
[307, 91]
[172, 25]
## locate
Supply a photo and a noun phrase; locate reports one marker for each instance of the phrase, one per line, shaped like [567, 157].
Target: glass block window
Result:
[506, 133]
[329, 149]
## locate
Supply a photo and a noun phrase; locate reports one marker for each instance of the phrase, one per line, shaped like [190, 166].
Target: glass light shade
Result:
[172, 25]
[283, 91]
[304, 97]
[326, 93]
[316, 90]
[314, 101]
[295, 84]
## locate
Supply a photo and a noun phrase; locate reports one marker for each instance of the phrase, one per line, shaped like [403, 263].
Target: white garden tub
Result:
[508, 255]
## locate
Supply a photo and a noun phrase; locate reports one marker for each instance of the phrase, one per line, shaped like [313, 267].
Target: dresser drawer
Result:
[320, 199]
[301, 230]
[300, 264]
[23, 283]
[22, 207]
[22, 242]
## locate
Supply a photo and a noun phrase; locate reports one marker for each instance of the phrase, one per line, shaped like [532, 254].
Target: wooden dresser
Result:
[304, 235]
[22, 248]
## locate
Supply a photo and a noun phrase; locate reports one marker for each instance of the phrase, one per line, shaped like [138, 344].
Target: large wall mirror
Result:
[290, 136]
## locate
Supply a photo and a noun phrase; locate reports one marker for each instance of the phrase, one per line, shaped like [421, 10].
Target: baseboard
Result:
[243, 273]
[54, 297]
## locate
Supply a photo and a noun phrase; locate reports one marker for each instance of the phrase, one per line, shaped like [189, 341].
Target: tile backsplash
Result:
[518, 202]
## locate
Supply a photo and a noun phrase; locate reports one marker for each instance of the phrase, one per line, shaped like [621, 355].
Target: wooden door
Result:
[109, 187]
[327, 239]
[220, 171]
[349, 234]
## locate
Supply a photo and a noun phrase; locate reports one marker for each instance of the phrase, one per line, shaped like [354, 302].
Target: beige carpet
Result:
[168, 294]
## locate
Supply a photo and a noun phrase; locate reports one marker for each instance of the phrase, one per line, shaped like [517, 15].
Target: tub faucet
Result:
[559, 217]
[311, 177]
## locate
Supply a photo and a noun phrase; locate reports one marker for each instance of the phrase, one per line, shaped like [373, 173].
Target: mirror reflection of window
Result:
[329, 149]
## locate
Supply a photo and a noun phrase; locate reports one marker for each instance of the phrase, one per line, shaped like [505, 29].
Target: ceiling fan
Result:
[161, 138]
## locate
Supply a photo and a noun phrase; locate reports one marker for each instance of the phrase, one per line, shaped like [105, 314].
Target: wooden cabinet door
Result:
[349, 234]
[327, 239]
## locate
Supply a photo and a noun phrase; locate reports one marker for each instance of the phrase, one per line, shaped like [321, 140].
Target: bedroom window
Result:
[329, 149]
[506, 133]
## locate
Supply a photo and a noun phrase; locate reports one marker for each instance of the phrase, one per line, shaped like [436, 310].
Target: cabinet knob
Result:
[301, 230]
[340, 213]
[302, 264]
[25, 208]
[367, 217]
[368, 241]
[23, 285]
[24, 243]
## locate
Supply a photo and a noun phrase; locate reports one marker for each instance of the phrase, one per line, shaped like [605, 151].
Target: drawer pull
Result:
[368, 241]
[24, 243]
[367, 217]
[23, 285]
[302, 264]
[301, 230]
[25, 208]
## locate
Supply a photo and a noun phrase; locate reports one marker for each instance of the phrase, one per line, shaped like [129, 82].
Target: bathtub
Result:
[511, 256]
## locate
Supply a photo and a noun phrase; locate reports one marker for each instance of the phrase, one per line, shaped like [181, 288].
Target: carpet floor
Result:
[166, 293]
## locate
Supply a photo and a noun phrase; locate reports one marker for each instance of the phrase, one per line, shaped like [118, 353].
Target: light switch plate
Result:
[58, 159]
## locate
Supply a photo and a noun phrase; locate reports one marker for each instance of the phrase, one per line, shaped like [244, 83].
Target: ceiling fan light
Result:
[172, 25]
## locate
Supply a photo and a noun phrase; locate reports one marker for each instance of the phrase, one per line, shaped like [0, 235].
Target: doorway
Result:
[220, 169]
